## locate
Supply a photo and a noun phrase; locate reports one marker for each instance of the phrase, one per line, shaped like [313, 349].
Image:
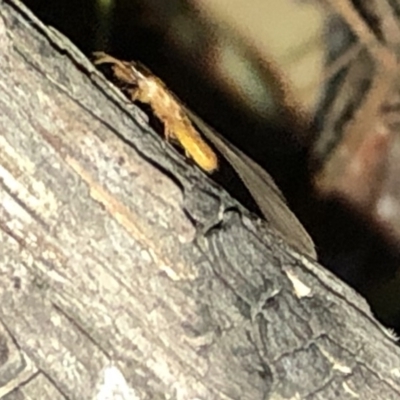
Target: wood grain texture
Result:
[117, 254]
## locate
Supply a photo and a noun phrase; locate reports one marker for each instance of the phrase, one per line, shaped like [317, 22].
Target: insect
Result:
[141, 85]
[145, 87]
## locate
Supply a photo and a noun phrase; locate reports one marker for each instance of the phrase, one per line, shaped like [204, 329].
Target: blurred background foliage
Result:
[254, 70]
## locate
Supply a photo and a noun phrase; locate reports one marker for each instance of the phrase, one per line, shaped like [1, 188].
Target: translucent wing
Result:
[263, 189]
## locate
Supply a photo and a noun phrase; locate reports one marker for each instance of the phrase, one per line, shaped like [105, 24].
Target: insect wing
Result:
[263, 189]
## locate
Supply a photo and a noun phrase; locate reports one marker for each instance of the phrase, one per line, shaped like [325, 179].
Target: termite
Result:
[143, 86]
[139, 84]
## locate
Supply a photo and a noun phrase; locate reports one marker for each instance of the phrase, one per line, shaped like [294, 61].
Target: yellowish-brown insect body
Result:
[148, 89]
[177, 125]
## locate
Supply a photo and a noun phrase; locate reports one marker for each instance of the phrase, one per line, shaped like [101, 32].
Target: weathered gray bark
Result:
[104, 259]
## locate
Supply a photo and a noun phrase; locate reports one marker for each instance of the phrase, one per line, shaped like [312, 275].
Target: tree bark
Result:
[122, 267]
